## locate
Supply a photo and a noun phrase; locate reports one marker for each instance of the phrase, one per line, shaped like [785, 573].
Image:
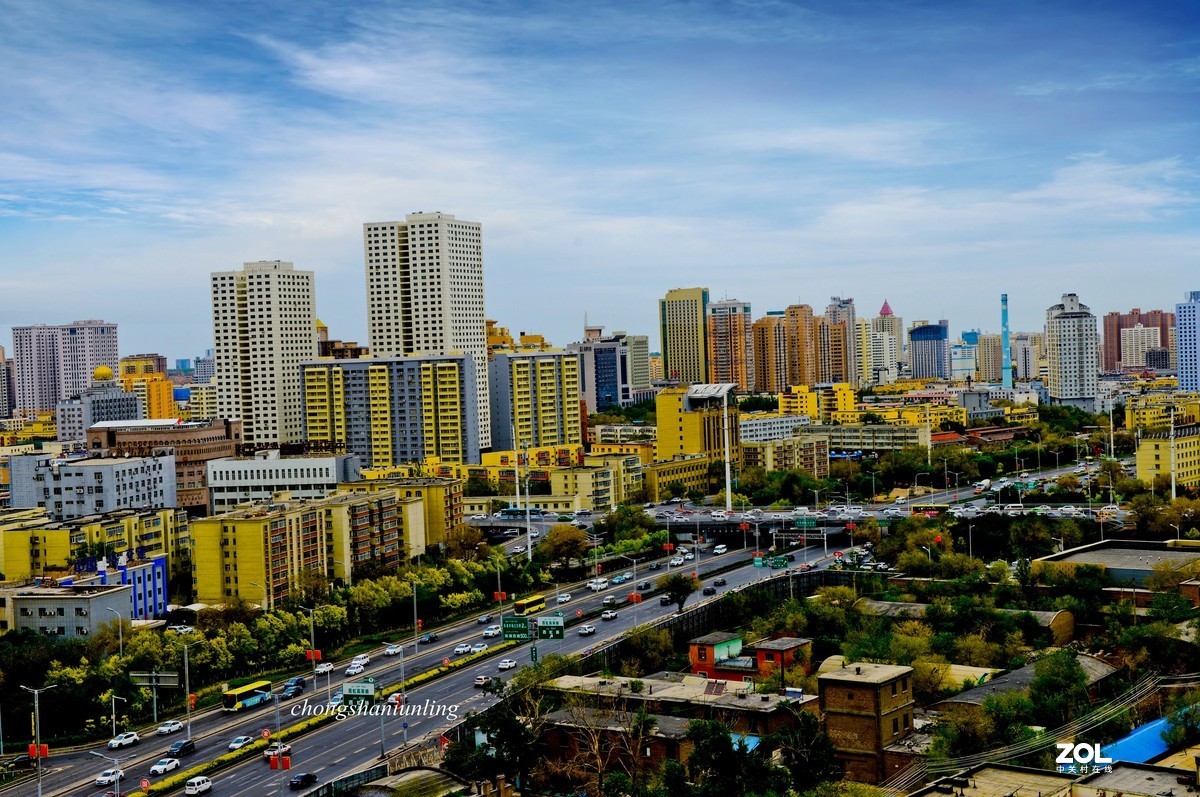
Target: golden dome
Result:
[102, 374]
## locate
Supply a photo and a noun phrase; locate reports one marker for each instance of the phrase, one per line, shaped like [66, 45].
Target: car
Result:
[892, 511]
[430, 637]
[299, 681]
[109, 776]
[483, 619]
[290, 692]
[355, 669]
[534, 534]
[587, 630]
[677, 500]
[164, 765]
[619, 579]
[396, 699]
[644, 585]
[709, 591]
[609, 600]
[579, 524]
[719, 582]
[689, 556]
[1024, 475]
[302, 781]
[23, 761]
[608, 614]
[462, 648]
[564, 598]
[627, 575]
[277, 748]
[479, 647]
[335, 700]
[665, 600]
[564, 518]
[180, 629]
[197, 785]
[1110, 508]
[170, 726]
[481, 681]
[479, 517]
[655, 566]
[239, 742]
[491, 631]
[720, 549]
[508, 664]
[323, 667]
[123, 740]
[517, 549]
[676, 561]
[361, 658]
[181, 748]
[393, 650]
[900, 499]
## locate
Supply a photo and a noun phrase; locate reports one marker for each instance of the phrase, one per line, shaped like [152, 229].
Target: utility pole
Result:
[37, 728]
[187, 690]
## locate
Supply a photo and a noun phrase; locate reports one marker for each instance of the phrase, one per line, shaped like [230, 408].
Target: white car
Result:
[362, 659]
[392, 650]
[479, 517]
[465, 647]
[324, 667]
[587, 630]
[164, 765]
[508, 664]
[170, 726]
[479, 647]
[534, 534]
[239, 742]
[689, 556]
[123, 740]
[355, 669]
[608, 614]
[676, 561]
[491, 631]
[892, 511]
[198, 785]
[564, 598]
[517, 549]
[180, 629]
[109, 776]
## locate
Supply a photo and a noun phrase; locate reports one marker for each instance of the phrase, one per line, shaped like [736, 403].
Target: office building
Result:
[147, 581]
[535, 399]
[802, 345]
[205, 369]
[391, 410]
[425, 294]
[1187, 342]
[103, 401]
[841, 311]
[56, 362]
[63, 612]
[72, 488]
[1112, 355]
[730, 335]
[264, 325]
[194, 444]
[770, 353]
[1135, 342]
[614, 370]
[929, 351]
[889, 323]
[1028, 354]
[882, 358]
[682, 318]
[1071, 351]
[692, 420]
[962, 362]
[236, 480]
[759, 426]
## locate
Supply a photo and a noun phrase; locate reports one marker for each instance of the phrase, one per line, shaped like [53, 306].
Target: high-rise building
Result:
[883, 355]
[989, 358]
[56, 362]
[802, 345]
[103, 401]
[614, 370]
[264, 325]
[770, 353]
[1028, 350]
[962, 362]
[890, 323]
[655, 365]
[425, 293]
[730, 336]
[156, 392]
[682, 318]
[1072, 350]
[929, 355]
[691, 420]
[1111, 355]
[205, 368]
[535, 396]
[393, 410]
[832, 350]
[1187, 342]
[6, 391]
[841, 311]
[1135, 342]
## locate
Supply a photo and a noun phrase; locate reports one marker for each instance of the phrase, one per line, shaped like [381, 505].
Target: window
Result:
[893, 688]
[895, 725]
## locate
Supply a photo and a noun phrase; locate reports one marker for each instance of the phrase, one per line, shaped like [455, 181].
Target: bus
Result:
[930, 510]
[516, 513]
[246, 696]
[530, 605]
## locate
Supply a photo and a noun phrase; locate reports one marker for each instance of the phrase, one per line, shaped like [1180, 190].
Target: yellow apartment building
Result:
[809, 453]
[377, 526]
[442, 500]
[595, 485]
[690, 471]
[1154, 455]
[818, 401]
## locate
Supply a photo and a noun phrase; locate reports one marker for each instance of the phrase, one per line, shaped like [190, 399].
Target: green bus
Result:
[246, 696]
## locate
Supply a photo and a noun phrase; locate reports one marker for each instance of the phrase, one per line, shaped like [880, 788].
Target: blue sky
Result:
[932, 153]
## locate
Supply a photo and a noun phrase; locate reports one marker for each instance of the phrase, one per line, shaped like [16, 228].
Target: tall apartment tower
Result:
[682, 317]
[929, 357]
[770, 353]
[425, 293]
[535, 396]
[6, 390]
[1112, 357]
[1135, 342]
[1187, 342]
[264, 327]
[730, 334]
[801, 344]
[1072, 349]
[57, 362]
[989, 358]
[832, 350]
[841, 311]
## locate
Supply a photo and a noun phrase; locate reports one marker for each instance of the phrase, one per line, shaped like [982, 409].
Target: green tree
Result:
[805, 751]
[563, 542]
[678, 587]
[1058, 692]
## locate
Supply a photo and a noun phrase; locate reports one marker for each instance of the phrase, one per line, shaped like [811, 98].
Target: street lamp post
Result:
[266, 605]
[37, 728]
[120, 630]
[114, 713]
[1177, 532]
[349, 572]
[917, 480]
[116, 764]
[970, 539]
[635, 603]
[187, 689]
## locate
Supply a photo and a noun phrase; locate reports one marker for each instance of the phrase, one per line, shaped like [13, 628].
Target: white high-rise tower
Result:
[425, 293]
[264, 326]
[54, 363]
[1072, 349]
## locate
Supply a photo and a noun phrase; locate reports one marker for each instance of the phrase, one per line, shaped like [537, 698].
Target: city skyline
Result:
[773, 153]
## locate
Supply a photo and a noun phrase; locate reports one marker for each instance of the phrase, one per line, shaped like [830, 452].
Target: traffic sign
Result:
[758, 561]
[533, 654]
[837, 554]
[550, 628]
[446, 662]
[516, 629]
[558, 613]
[266, 733]
[404, 726]
[806, 523]
[144, 784]
[777, 561]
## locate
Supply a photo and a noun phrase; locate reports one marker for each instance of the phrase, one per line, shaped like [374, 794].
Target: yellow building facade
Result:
[809, 453]
[442, 500]
[689, 426]
[1153, 411]
[595, 485]
[689, 471]
[1155, 456]
[156, 392]
[819, 401]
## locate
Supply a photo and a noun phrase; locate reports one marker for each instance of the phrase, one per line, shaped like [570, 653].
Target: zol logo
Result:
[1081, 753]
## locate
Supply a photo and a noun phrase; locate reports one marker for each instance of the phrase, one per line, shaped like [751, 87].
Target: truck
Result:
[981, 486]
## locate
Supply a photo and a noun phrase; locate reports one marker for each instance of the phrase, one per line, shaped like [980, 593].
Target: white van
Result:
[720, 549]
[197, 785]
[598, 584]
